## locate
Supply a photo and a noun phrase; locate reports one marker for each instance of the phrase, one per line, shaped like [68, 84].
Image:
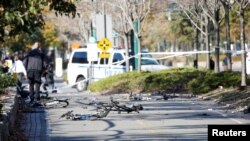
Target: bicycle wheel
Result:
[63, 103]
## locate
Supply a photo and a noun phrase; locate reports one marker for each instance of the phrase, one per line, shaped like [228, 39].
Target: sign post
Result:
[136, 45]
[59, 67]
[104, 45]
[91, 56]
[92, 52]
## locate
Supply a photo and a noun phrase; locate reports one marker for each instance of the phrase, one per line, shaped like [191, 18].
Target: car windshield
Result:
[149, 62]
[147, 55]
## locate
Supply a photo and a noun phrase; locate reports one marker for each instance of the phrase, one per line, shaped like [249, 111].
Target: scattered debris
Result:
[206, 98]
[138, 97]
[221, 87]
[246, 110]
[204, 114]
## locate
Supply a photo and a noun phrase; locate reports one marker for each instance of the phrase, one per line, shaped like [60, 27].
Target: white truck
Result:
[80, 71]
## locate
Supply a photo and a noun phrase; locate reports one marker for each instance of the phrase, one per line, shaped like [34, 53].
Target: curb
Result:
[10, 107]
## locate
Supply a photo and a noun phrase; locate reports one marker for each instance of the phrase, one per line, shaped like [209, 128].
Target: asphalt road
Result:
[174, 119]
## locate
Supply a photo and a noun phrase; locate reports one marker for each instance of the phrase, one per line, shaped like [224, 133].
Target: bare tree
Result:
[122, 24]
[193, 11]
[126, 29]
[135, 11]
[240, 11]
[226, 6]
[86, 9]
[212, 9]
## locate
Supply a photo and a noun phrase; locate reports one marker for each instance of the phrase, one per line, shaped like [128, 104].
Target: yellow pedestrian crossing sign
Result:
[104, 44]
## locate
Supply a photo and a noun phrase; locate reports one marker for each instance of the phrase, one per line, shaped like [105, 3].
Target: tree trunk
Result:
[207, 41]
[139, 53]
[229, 56]
[217, 38]
[243, 48]
[126, 42]
[196, 47]
[139, 47]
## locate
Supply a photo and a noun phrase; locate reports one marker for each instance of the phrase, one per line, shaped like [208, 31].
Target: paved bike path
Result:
[34, 124]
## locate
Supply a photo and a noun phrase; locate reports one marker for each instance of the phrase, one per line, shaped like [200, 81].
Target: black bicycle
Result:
[116, 106]
[99, 115]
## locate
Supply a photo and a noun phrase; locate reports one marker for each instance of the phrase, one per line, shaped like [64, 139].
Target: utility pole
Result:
[105, 22]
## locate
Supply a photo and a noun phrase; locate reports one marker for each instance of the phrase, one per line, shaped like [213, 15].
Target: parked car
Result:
[151, 64]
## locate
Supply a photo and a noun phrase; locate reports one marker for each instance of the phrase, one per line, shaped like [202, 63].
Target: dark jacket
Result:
[211, 64]
[35, 61]
[50, 66]
[224, 62]
[4, 69]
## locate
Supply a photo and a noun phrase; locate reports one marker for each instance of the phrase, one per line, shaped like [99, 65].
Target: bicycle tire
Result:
[57, 103]
[64, 101]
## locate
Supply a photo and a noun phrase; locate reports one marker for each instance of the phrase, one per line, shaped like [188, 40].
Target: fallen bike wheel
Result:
[56, 104]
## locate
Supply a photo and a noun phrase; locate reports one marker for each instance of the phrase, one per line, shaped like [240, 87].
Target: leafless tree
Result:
[86, 10]
[135, 11]
[200, 21]
[126, 29]
[226, 6]
[122, 25]
[212, 9]
[242, 4]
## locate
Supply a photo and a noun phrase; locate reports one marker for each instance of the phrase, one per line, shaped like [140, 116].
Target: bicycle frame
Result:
[123, 108]
[116, 106]
[70, 115]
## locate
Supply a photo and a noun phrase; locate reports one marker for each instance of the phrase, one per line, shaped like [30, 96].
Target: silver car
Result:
[151, 64]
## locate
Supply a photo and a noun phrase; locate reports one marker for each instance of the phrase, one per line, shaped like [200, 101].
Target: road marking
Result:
[222, 114]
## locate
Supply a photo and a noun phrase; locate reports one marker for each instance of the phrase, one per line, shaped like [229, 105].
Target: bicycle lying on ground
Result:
[125, 108]
[99, 115]
[47, 101]
[115, 106]
[54, 102]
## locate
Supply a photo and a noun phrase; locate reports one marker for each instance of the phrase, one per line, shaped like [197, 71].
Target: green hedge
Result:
[5, 81]
[212, 81]
[174, 80]
[119, 83]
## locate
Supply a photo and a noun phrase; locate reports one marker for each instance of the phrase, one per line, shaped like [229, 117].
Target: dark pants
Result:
[34, 82]
[49, 81]
[19, 79]
[19, 82]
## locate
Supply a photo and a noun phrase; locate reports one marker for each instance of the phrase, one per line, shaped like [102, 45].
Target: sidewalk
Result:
[34, 124]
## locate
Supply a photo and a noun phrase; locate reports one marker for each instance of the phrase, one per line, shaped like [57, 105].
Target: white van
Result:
[80, 69]
[248, 63]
